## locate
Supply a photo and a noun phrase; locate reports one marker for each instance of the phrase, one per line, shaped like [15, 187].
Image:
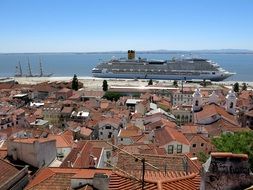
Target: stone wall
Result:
[226, 171]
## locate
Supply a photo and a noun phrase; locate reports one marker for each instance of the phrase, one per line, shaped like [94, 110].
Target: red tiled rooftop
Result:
[192, 129]
[166, 135]
[3, 153]
[59, 178]
[93, 93]
[213, 109]
[7, 171]
[61, 142]
[154, 181]
[218, 127]
[67, 110]
[64, 90]
[85, 131]
[32, 140]
[249, 113]
[124, 133]
[228, 155]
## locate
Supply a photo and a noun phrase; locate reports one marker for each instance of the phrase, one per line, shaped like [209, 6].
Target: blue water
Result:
[68, 64]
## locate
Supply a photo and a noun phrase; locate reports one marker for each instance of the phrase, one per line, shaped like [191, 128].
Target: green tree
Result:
[244, 86]
[105, 85]
[236, 87]
[113, 96]
[75, 83]
[202, 156]
[175, 83]
[204, 83]
[150, 82]
[236, 143]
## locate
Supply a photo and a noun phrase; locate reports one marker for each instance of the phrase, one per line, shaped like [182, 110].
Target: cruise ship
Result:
[175, 69]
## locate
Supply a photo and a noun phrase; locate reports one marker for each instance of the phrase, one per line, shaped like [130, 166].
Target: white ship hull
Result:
[216, 77]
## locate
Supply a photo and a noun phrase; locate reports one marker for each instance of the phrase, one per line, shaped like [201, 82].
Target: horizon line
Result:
[229, 50]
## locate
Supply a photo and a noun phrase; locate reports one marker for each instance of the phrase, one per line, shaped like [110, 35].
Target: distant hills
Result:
[161, 51]
[219, 51]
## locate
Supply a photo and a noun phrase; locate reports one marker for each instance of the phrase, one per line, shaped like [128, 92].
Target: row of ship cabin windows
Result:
[171, 149]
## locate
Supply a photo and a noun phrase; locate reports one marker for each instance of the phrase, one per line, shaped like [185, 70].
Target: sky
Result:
[118, 25]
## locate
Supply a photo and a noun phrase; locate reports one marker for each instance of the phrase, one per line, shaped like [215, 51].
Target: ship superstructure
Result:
[175, 69]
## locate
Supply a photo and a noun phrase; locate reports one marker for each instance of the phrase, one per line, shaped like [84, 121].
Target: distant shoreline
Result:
[95, 81]
[222, 51]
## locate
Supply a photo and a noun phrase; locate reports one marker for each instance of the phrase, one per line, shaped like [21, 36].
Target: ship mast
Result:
[41, 71]
[29, 69]
[20, 69]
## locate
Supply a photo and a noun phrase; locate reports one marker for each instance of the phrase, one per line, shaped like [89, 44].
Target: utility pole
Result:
[143, 173]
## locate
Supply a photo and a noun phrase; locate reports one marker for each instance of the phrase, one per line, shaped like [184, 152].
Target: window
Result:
[108, 127]
[231, 105]
[179, 148]
[101, 133]
[194, 145]
[202, 144]
[197, 103]
[170, 149]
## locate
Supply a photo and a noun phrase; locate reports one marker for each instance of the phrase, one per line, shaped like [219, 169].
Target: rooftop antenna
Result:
[29, 68]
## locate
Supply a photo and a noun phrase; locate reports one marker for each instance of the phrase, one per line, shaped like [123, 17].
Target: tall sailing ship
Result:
[19, 71]
[175, 69]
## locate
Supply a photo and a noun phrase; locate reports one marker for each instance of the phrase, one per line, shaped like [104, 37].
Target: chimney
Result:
[69, 164]
[225, 170]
